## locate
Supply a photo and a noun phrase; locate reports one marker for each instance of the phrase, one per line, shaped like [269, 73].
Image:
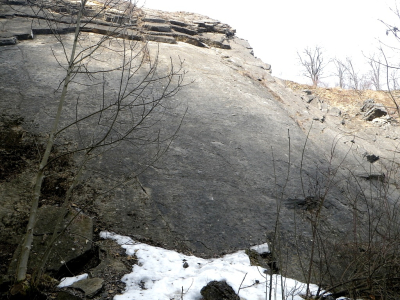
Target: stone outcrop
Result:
[20, 21]
[373, 110]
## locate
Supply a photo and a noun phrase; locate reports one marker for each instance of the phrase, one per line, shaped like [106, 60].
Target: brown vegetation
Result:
[347, 99]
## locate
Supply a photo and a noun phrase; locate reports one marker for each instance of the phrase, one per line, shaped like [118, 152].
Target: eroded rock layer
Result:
[21, 21]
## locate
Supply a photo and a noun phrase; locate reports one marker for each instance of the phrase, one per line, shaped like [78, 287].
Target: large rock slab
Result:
[215, 190]
[91, 287]
[244, 147]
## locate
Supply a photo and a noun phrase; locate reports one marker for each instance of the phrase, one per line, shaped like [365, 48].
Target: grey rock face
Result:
[215, 190]
[247, 143]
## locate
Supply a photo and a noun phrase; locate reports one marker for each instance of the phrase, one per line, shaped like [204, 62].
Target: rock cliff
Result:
[248, 145]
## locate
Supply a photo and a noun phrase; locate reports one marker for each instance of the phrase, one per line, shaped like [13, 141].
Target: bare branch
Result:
[376, 71]
[313, 62]
[341, 72]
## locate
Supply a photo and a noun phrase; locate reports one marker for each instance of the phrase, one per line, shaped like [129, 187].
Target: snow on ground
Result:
[164, 275]
[263, 248]
[67, 281]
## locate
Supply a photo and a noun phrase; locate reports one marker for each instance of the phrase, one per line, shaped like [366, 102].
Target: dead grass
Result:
[348, 100]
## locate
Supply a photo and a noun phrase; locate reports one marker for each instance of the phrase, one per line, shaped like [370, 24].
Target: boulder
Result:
[373, 110]
[218, 290]
[91, 287]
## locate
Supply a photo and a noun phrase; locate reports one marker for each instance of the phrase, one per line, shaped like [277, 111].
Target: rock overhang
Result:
[21, 21]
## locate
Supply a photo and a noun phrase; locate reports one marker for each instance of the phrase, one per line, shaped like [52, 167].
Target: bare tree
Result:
[376, 67]
[341, 72]
[131, 114]
[313, 62]
[394, 80]
[355, 79]
[353, 74]
[390, 66]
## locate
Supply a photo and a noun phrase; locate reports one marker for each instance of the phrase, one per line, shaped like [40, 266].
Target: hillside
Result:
[174, 134]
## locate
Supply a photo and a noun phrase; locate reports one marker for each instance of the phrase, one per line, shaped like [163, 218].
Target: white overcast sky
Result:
[277, 29]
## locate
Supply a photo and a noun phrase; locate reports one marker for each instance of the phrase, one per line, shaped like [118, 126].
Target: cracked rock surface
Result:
[244, 134]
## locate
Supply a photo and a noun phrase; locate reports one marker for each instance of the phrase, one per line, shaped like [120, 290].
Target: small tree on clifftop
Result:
[340, 72]
[312, 61]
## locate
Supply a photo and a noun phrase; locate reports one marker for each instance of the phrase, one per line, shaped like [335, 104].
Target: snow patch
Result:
[260, 249]
[167, 275]
[67, 281]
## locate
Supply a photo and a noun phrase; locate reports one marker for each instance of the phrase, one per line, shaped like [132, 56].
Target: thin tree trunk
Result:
[58, 228]
[22, 266]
